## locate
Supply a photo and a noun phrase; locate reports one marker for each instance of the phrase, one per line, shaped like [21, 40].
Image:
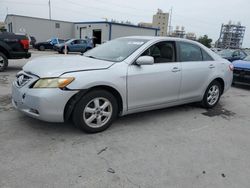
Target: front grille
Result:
[22, 79]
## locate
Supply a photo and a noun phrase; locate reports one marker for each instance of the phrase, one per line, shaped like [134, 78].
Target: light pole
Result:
[49, 10]
[170, 21]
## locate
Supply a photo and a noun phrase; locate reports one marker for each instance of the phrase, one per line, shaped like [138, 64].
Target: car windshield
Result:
[116, 50]
[226, 53]
[247, 58]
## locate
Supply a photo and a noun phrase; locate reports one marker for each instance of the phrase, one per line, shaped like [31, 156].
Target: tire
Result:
[41, 48]
[212, 95]
[96, 111]
[3, 62]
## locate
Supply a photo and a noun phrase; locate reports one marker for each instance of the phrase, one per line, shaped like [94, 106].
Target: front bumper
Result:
[43, 104]
[241, 76]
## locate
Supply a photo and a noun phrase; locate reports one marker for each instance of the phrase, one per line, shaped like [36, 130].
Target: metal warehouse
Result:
[43, 29]
[104, 31]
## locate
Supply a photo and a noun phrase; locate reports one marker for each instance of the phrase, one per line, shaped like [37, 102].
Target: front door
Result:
[157, 84]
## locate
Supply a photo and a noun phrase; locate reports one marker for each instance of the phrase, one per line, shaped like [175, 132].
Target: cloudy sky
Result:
[199, 16]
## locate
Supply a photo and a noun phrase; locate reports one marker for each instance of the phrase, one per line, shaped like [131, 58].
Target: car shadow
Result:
[155, 114]
[141, 118]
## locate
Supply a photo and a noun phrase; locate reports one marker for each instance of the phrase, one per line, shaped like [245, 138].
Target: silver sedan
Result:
[123, 76]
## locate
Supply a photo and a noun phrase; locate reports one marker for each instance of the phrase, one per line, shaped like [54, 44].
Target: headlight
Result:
[53, 82]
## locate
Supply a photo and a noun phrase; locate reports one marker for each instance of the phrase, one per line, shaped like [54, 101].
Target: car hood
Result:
[241, 64]
[54, 66]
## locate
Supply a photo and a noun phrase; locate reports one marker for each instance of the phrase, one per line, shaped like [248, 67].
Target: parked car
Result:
[12, 46]
[32, 41]
[241, 72]
[232, 55]
[73, 45]
[122, 76]
[49, 44]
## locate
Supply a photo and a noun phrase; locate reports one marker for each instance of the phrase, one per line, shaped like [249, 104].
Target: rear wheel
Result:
[96, 111]
[212, 95]
[3, 62]
[41, 48]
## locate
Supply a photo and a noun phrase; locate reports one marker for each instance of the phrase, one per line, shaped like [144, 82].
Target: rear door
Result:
[197, 68]
[157, 84]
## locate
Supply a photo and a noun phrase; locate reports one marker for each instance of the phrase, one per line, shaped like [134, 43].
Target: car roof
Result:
[157, 38]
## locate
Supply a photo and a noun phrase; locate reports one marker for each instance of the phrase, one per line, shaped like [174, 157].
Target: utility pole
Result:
[49, 10]
[170, 21]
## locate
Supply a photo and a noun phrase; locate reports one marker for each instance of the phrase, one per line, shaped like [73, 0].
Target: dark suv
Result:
[12, 46]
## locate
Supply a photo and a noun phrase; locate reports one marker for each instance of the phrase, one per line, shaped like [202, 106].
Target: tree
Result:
[205, 41]
[2, 29]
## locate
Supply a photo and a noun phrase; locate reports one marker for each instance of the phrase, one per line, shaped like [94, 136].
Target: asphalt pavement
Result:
[180, 147]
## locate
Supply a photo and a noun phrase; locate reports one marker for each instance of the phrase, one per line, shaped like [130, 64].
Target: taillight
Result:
[231, 67]
[25, 43]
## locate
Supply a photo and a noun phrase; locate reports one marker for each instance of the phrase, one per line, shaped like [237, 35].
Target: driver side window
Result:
[162, 52]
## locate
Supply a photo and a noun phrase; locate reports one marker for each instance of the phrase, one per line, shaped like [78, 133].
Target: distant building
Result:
[179, 32]
[231, 36]
[42, 29]
[160, 20]
[191, 36]
[103, 31]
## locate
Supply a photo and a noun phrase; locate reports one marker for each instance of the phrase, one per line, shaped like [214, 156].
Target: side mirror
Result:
[145, 60]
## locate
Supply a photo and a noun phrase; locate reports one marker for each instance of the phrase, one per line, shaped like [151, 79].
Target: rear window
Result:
[206, 56]
[190, 52]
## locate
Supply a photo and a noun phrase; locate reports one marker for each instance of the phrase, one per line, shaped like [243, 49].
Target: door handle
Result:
[211, 66]
[176, 69]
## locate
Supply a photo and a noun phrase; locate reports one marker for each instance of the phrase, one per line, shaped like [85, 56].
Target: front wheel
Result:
[3, 62]
[212, 95]
[96, 111]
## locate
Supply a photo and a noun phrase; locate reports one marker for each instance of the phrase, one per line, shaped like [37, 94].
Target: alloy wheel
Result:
[213, 95]
[1, 61]
[97, 112]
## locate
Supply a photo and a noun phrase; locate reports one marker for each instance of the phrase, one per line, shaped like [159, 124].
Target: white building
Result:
[160, 20]
[43, 29]
[104, 31]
